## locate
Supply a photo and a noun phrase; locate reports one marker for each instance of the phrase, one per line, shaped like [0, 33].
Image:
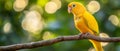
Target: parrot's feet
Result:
[81, 35]
[87, 33]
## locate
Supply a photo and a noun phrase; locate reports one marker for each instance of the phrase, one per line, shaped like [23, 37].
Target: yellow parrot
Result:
[85, 22]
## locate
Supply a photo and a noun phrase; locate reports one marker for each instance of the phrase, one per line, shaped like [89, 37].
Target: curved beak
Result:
[69, 9]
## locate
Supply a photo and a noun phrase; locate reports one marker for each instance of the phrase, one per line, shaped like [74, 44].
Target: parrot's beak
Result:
[69, 9]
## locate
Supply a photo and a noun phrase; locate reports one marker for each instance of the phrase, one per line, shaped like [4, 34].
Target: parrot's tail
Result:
[97, 45]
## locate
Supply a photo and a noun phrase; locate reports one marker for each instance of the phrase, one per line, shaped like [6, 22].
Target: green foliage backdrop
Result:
[55, 22]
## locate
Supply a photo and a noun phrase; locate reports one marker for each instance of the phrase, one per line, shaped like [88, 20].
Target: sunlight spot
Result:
[48, 35]
[51, 7]
[19, 5]
[32, 22]
[58, 3]
[91, 49]
[105, 36]
[93, 6]
[7, 27]
[114, 20]
[119, 23]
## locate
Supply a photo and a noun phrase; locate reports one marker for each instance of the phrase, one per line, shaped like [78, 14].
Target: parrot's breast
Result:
[81, 26]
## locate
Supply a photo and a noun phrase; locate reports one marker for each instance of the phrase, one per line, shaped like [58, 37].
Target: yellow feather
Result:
[91, 22]
[85, 22]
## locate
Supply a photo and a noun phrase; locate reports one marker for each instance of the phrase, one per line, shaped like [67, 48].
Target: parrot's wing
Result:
[91, 22]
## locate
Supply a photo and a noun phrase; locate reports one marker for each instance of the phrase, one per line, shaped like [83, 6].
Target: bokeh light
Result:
[48, 35]
[114, 20]
[91, 49]
[104, 35]
[58, 3]
[93, 6]
[119, 24]
[7, 27]
[51, 7]
[32, 22]
[19, 5]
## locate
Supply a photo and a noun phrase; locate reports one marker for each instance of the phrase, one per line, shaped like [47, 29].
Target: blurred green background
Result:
[23, 21]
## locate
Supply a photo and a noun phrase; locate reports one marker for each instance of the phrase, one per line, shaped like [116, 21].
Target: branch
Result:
[56, 40]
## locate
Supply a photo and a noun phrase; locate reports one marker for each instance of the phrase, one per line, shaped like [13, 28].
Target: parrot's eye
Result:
[73, 5]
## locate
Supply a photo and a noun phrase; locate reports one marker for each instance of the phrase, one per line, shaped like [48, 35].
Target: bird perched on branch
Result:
[85, 22]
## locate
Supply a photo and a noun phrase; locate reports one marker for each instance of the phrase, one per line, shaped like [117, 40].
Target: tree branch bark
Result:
[30, 45]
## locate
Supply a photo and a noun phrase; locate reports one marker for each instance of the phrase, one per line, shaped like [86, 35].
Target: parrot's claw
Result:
[87, 33]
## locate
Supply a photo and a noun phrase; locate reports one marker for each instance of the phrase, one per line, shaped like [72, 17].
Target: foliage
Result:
[53, 23]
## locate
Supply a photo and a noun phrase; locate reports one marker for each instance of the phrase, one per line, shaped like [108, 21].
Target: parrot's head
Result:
[76, 8]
